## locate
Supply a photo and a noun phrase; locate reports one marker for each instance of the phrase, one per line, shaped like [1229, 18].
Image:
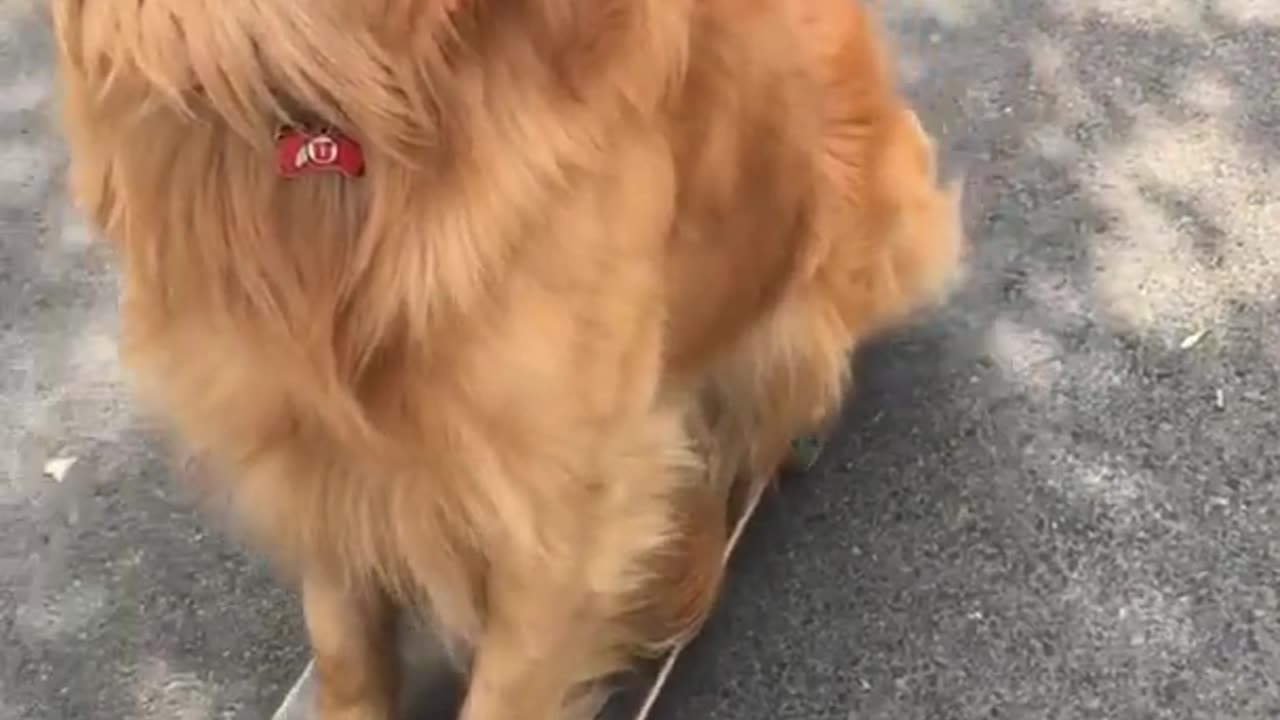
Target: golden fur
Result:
[608, 256]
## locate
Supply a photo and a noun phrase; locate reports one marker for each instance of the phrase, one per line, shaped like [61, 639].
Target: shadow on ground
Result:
[1041, 505]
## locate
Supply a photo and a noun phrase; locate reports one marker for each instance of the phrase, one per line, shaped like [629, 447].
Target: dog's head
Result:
[391, 70]
[256, 65]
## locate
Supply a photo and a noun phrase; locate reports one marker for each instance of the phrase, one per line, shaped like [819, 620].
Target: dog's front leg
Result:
[534, 651]
[565, 612]
[352, 632]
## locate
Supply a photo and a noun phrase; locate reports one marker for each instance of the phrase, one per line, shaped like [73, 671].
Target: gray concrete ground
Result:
[1057, 499]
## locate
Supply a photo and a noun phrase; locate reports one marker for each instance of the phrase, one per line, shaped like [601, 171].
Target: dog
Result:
[486, 308]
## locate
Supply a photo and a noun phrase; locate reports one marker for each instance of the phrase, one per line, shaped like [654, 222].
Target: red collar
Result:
[300, 151]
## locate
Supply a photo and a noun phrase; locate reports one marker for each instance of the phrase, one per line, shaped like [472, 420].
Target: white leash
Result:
[656, 689]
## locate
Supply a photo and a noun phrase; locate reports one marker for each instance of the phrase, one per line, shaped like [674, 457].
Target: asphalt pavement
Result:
[1057, 498]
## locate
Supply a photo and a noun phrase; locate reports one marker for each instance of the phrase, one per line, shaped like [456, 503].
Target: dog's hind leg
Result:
[352, 633]
[685, 575]
[773, 399]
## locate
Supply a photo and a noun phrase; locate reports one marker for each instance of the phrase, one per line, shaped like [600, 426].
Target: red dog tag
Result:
[301, 152]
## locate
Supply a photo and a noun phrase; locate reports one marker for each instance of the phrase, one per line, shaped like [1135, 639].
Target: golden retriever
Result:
[585, 263]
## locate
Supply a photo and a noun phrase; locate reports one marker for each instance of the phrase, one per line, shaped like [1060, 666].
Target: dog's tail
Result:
[895, 244]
